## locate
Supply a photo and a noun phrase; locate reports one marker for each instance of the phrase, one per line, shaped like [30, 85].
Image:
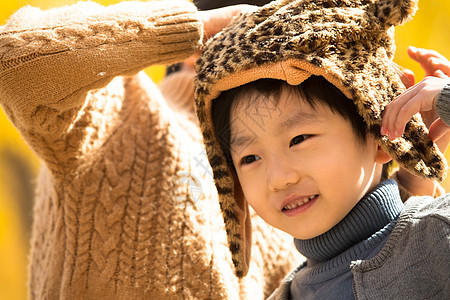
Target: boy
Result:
[289, 100]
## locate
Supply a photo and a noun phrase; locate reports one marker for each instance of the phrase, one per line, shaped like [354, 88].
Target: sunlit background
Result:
[19, 166]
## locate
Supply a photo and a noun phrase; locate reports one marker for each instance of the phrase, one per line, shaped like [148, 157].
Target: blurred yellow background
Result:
[18, 165]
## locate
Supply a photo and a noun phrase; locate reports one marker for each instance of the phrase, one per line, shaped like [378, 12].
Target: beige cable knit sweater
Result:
[126, 207]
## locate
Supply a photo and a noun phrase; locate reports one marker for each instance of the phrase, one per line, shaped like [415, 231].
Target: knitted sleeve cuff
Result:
[443, 104]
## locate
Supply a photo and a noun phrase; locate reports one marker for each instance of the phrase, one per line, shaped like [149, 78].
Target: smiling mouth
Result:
[298, 203]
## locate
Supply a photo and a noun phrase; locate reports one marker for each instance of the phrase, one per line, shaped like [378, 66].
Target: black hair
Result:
[314, 90]
[212, 4]
[173, 68]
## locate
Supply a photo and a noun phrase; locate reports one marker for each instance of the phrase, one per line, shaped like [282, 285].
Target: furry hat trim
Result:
[348, 42]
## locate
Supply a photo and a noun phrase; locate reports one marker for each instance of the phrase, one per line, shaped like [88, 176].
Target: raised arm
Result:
[51, 59]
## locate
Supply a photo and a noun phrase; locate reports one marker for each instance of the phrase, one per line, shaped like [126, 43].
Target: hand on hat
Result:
[215, 20]
[420, 97]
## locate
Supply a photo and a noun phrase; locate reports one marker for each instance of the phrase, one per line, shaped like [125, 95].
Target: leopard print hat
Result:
[348, 42]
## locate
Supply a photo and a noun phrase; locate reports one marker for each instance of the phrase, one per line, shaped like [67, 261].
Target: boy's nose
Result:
[282, 174]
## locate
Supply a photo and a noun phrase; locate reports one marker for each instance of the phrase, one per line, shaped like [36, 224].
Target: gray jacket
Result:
[413, 264]
[443, 104]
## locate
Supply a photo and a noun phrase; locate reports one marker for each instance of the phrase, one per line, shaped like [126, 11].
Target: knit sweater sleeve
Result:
[49, 60]
[443, 104]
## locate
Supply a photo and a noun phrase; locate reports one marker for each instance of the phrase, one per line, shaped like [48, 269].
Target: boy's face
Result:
[301, 169]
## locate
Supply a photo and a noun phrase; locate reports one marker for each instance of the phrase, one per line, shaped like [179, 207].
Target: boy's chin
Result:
[308, 235]
[314, 231]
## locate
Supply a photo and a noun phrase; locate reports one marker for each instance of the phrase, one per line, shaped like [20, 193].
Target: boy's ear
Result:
[381, 156]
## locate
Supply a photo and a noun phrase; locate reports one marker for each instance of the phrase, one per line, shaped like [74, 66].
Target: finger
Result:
[421, 54]
[437, 131]
[407, 77]
[425, 57]
[406, 112]
[387, 116]
[440, 74]
[439, 65]
[190, 61]
[392, 110]
[387, 120]
[389, 111]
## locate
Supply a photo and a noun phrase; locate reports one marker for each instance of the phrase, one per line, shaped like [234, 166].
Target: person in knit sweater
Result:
[292, 128]
[125, 203]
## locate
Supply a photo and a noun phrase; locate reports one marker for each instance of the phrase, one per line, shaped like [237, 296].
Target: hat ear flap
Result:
[240, 242]
[393, 13]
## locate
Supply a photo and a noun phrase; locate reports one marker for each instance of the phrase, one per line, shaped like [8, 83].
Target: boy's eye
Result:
[249, 159]
[298, 139]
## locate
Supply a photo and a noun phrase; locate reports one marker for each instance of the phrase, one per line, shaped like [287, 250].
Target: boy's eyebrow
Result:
[240, 140]
[299, 118]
